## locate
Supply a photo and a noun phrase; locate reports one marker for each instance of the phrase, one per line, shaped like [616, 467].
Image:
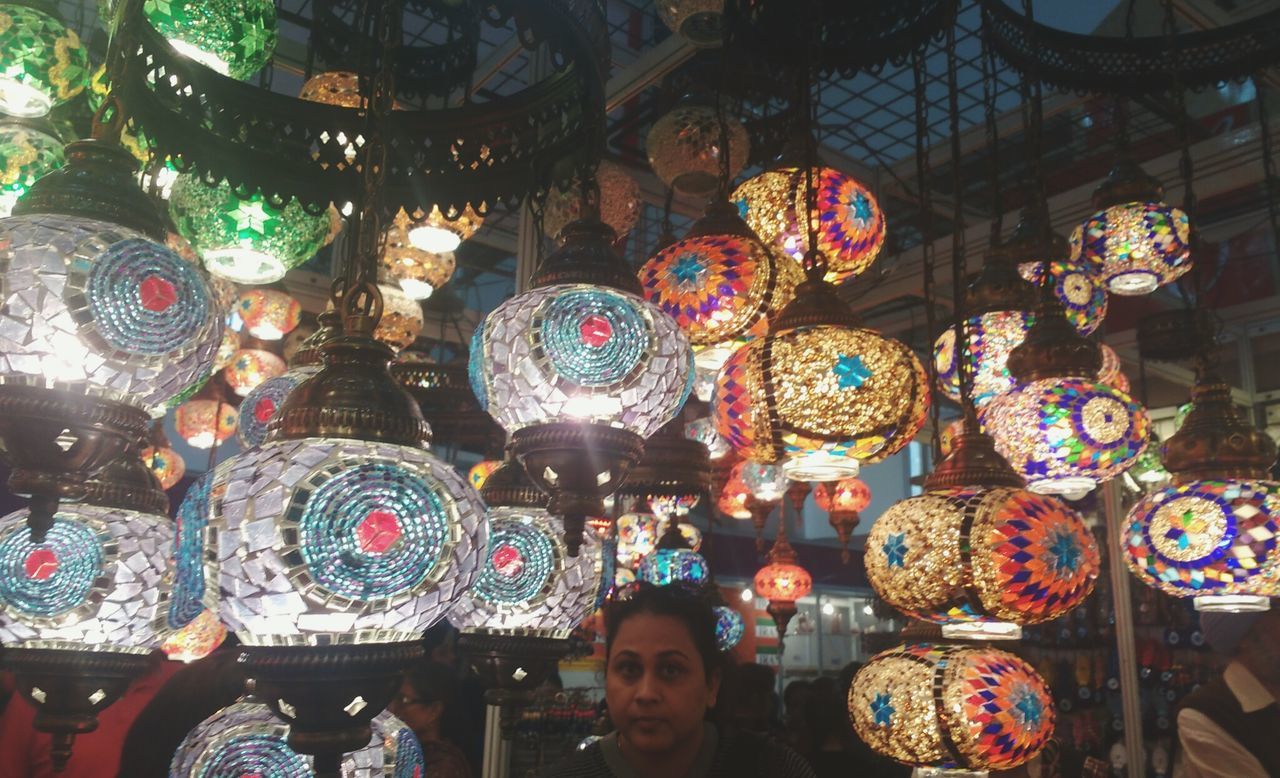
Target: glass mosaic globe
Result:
[952, 707]
[820, 399]
[684, 149]
[766, 483]
[730, 627]
[165, 464]
[703, 430]
[247, 740]
[847, 494]
[205, 423]
[782, 582]
[619, 202]
[719, 288]
[1137, 246]
[673, 565]
[1214, 541]
[438, 232]
[418, 272]
[981, 560]
[326, 540]
[98, 582]
[401, 321]
[246, 241]
[851, 226]
[233, 37]
[991, 337]
[261, 403]
[26, 154]
[97, 309]
[42, 61]
[250, 367]
[268, 314]
[734, 499]
[579, 353]
[227, 349]
[701, 22]
[637, 537]
[1078, 286]
[529, 582]
[1067, 435]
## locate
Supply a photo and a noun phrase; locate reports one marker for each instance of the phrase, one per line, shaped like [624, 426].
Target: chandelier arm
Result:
[925, 203]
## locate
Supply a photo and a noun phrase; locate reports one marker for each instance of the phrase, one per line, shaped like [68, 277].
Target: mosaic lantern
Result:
[1111, 371]
[767, 483]
[418, 272]
[735, 499]
[684, 149]
[1211, 535]
[438, 232]
[42, 62]
[637, 537]
[703, 430]
[851, 226]
[205, 423]
[1079, 288]
[619, 202]
[401, 321]
[199, 638]
[991, 336]
[247, 241]
[947, 708]
[480, 472]
[233, 37]
[782, 581]
[671, 565]
[166, 464]
[667, 508]
[26, 154]
[227, 349]
[268, 314]
[1137, 241]
[730, 627]
[333, 87]
[981, 560]
[720, 284]
[246, 739]
[250, 367]
[843, 501]
[260, 405]
[701, 22]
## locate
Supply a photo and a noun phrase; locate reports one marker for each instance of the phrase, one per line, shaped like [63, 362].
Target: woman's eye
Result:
[671, 670]
[627, 669]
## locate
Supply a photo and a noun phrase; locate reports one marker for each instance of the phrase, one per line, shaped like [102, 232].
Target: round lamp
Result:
[418, 272]
[843, 501]
[165, 464]
[247, 241]
[851, 226]
[703, 430]
[991, 337]
[1079, 288]
[782, 581]
[250, 367]
[480, 472]
[233, 37]
[684, 149]
[735, 499]
[673, 565]
[42, 62]
[268, 314]
[27, 152]
[204, 423]
[730, 627]
[637, 537]
[619, 202]
[952, 708]
[259, 406]
[700, 22]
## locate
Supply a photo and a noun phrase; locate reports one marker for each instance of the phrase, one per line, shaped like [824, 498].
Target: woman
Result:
[662, 678]
[427, 697]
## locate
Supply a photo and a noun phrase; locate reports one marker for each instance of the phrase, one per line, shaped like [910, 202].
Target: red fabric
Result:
[24, 753]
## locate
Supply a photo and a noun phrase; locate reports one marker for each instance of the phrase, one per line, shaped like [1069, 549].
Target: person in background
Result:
[795, 702]
[1230, 727]
[662, 680]
[464, 726]
[836, 751]
[753, 702]
[425, 701]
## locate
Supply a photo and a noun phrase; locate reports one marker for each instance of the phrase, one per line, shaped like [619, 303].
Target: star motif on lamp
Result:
[688, 270]
[250, 216]
[895, 548]
[1065, 553]
[850, 371]
[882, 710]
[1029, 709]
[862, 207]
[1191, 525]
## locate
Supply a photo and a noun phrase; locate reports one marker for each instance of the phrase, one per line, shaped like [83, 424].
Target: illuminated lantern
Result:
[268, 314]
[730, 627]
[637, 537]
[703, 430]
[480, 472]
[619, 202]
[671, 565]
[261, 403]
[991, 337]
[42, 62]
[166, 464]
[233, 37]
[250, 367]
[418, 272]
[684, 148]
[401, 321]
[1079, 288]
[439, 232]
[199, 638]
[782, 581]
[204, 423]
[843, 501]
[735, 498]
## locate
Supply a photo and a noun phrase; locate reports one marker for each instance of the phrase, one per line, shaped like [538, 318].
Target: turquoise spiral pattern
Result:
[583, 360]
[79, 561]
[519, 566]
[145, 299]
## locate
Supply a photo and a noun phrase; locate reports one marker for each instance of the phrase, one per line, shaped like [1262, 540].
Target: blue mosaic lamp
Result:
[579, 370]
[730, 627]
[260, 405]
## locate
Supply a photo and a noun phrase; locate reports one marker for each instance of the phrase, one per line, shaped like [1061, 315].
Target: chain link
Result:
[925, 203]
[1268, 162]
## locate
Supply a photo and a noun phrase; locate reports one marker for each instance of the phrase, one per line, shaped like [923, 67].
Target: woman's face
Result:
[656, 685]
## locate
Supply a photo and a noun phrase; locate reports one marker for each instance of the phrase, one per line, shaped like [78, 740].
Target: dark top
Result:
[723, 756]
[445, 760]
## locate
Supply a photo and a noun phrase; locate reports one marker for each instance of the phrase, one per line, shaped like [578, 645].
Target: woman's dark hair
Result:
[677, 602]
[433, 682]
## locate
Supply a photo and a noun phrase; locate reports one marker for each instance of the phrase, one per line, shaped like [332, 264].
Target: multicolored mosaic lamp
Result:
[684, 149]
[851, 228]
[246, 739]
[204, 423]
[233, 37]
[580, 370]
[952, 710]
[734, 500]
[701, 22]
[730, 627]
[418, 272]
[843, 501]
[439, 232]
[782, 581]
[165, 464]
[42, 62]
[1137, 241]
[1078, 286]
[619, 202]
[28, 150]
[401, 321]
[259, 406]
[247, 241]
[268, 314]
[1061, 429]
[480, 472]
[637, 537]
[1212, 534]
[250, 367]
[703, 430]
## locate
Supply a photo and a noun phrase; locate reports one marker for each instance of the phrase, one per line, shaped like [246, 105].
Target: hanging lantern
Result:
[851, 226]
[730, 627]
[947, 440]
[673, 565]
[1138, 241]
[619, 202]
[580, 369]
[1212, 534]
[268, 314]
[703, 430]
[637, 537]
[247, 241]
[233, 37]
[843, 501]
[952, 708]
[401, 321]
[1061, 429]
[1079, 288]
[199, 638]
[418, 272]
[672, 474]
[27, 152]
[205, 423]
[735, 500]
[782, 581]
[437, 232]
[700, 22]
[250, 367]
[990, 337]
[165, 464]
[819, 393]
[667, 507]
[480, 472]
[42, 62]
[259, 406]
[684, 149]
[246, 739]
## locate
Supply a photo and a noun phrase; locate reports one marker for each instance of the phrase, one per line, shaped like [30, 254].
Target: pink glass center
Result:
[264, 409]
[157, 294]
[595, 330]
[508, 561]
[41, 564]
[378, 532]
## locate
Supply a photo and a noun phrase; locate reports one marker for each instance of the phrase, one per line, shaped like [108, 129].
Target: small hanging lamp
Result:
[844, 501]
[782, 581]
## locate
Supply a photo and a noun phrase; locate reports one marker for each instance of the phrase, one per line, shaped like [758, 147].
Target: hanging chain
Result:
[815, 261]
[963, 369]
[990, 84]
[1031, 80]
[1268, 163]
[925, 204]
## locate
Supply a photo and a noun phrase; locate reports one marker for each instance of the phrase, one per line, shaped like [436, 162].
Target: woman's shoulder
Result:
[744, 754]
[585, 763]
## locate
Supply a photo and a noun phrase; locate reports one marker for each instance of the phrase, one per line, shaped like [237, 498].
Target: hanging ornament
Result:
[703, 430]
[619, 202]
[782, 581]
[438, 232]
[268, 314]
[233, 37]
[42, 61]
[418, 272]
[637, 537]
[259, 406]
[1137, 241]
[1078, 286]
[28, 150]
[735, 501]
[730, 627]
[199, 638]
[204, 423]
[700, 22]
[952, 710]
[843, 501]
[165, 464]
[250, 367]
[684, 148]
